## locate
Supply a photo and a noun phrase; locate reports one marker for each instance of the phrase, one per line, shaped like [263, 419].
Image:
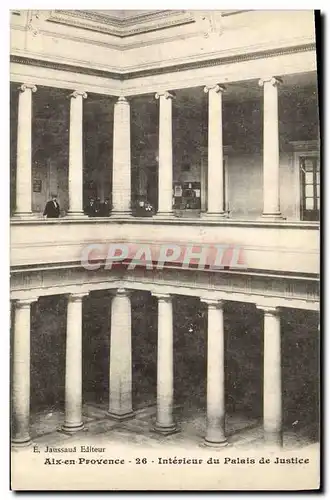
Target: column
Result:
[272, 377]
[215, 432]
[21, 373]
[165, 155]
[271, 164]
[215, 177]
[24, 152]
[164, 420]
[120, 384]
[76, 154]
[121, 169]
[73, 365]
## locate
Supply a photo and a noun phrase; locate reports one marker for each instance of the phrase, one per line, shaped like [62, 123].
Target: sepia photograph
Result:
[164, 250]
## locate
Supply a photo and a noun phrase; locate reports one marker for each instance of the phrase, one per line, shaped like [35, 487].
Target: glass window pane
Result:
[309, 203]
[318, 177]
[308, 165]
[309, 177]
[318, 203]
[309, 191]
[318, 191]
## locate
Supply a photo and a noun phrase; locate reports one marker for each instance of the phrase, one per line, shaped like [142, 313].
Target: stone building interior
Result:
[112, 109]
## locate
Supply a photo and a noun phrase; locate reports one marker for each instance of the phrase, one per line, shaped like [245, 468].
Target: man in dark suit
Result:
[52, 208]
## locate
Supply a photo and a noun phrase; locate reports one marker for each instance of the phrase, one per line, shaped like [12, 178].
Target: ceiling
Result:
[122, 23]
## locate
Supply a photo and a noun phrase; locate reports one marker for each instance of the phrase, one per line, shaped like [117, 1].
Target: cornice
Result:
[313, 145]
[121, 27]
[120, 75]
[72, 68]
[221, 60]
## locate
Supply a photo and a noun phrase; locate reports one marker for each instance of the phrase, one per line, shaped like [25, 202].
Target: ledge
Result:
[183, 221]
[54, 266]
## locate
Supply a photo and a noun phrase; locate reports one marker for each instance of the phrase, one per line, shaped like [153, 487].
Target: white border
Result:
[4, 199]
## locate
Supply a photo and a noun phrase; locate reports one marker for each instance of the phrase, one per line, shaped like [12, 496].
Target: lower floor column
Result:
[120, 383]
[164, 420]
[73, 365]
[272, 413]
[215, 432]
[21, 374]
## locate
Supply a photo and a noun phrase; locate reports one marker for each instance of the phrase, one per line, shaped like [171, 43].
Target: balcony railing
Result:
[283, 247]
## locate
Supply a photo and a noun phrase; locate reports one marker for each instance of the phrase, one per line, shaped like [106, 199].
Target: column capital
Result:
[268, 309]
[213, 303]
[76, 297]
[275, 81]
[25, 303]
[164, 297]
[78, 93]
[26, 86]
[165, 94]
[216, 88]
[122, 100]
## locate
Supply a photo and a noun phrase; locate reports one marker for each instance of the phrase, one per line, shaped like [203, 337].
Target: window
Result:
[309, 187]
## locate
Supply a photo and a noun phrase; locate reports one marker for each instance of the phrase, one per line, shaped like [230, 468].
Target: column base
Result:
[71, 429]
[164, 215]
[165, 430]
[18, 443]
[120, 416]
[214, 216]
[214, 444]
[273, 439]
[118, 214]
[25, 215]
[275, 216]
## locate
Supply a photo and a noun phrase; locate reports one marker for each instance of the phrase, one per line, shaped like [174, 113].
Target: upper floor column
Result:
[271, 160]
[121, 170]
[215, 184]
[76, 154]
[24, 152]
[165, 169]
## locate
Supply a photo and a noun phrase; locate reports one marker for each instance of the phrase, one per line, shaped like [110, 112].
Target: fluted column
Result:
[73, 365]
[164, 420]
[21, 373]
[271, 162]
[76, 150]
[24, 152]
[120, 384]
[121, 170]
[272, 414]
[215, 177]
[215, 432]
[165, 155]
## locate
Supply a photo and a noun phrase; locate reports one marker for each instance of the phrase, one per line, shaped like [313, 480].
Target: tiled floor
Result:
[241, 431]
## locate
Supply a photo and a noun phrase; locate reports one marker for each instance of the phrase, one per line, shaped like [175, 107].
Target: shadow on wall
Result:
[96, 345]
[48, 334]
[300, 367]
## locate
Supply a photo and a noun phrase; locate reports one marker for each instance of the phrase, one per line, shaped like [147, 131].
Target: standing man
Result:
[52, 208]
